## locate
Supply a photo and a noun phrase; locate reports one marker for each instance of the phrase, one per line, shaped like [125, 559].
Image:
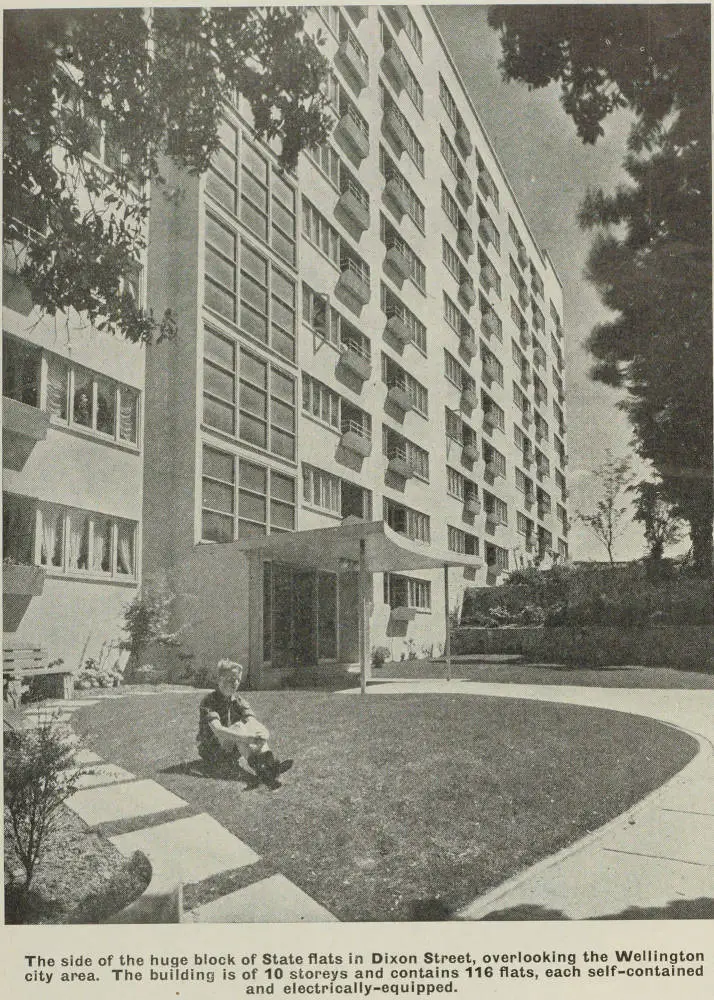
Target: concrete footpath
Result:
[654, 861]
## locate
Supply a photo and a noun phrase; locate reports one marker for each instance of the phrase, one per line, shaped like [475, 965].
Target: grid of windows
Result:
[414, 148]
[395, 445]
[391, 238]
[68, 540]
[406, 521]
[462, 541]
[70, 393]
[237, 383]
[406, 592]
[411, 84]
[241, 499]
[393, 306]
[320, 401]
[390, 171]
[394, 375]
[267, 203]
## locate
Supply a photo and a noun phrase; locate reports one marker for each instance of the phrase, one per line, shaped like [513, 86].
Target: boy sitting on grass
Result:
[227, 728]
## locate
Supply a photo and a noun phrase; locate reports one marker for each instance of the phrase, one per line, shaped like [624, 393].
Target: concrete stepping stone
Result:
[271, 900]
[186, 850]
[103, 774]
[87, 757]
[123, 801]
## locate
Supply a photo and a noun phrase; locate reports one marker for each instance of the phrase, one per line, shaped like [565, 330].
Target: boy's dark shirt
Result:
[227, 710]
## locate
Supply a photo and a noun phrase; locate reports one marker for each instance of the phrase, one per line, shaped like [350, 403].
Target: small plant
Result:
[146, 622]
[98, 674]
[380, 655]
[39, 776]
[411, 650]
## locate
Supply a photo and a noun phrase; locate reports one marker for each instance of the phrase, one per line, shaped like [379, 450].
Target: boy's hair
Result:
[228, 667]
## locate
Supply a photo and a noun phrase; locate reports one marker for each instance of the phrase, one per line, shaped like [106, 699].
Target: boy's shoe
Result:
[282, 766]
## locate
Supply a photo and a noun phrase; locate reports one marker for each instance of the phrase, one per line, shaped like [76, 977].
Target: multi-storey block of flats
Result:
[363, 411]
[72, 473]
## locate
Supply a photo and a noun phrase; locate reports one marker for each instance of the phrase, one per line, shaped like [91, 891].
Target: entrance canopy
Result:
[385, 550]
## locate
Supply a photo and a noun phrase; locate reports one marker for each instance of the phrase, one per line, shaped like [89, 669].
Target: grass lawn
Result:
[654, 678]
[403, 807]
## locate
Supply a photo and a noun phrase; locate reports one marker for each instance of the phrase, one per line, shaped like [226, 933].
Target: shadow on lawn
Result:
[701, 908]
[223, 772]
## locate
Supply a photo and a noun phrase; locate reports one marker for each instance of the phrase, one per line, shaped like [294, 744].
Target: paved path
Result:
[656, 860]
[183, 849]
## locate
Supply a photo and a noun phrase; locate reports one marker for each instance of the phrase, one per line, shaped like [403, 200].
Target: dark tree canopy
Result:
[128, 87]
[651, 256]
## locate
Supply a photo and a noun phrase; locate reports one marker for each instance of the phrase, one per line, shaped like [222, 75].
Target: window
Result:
[320, 401]
[490, 321]
[318, 231]
[406, 592]
[320, 489]
[541, 428]
[326, 158]
[454, 426]
[450, 259]
[391, 238]
[392, 306]
[266, 406]
[21, 370]
[406, 521]
[493, 412]
[496, 508]
[74, 395]
[411, 84]
[412, 32]
[456, 483]
[454, 372]
[449, 154]
[265, 499]
[462, 541]
[389, 170]
[487, 227]
[496, 557]
[394, 374]
[521, 400]
[538, 318]
[318, 314]
[524, 525]
[448, 203]
[414, 148]
[495, 461]
[493, 369]
[489, 277]
[448, 101]
[267, 203]
[219, 382]
[67, 540]
[222, 176]
[542, 464]
[394, 444]
[524, 484]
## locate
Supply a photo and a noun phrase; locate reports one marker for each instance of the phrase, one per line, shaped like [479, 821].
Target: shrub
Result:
[380, 655]
[98, 674]
[39, 776]
[146, 621]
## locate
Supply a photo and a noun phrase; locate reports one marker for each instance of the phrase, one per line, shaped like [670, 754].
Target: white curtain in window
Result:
[78, 542]
[125, 549]
[102, 546]
[49, 537]
[57, 387]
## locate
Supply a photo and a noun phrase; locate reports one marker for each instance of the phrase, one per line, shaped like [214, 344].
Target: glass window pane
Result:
[254, 324]
[218, 496]
[125, 547]
[218, 465]
[283, 444]
[219, 349]
[283, 416]
[255, 192]
[223, 302]
[102, 545]
[283, 219]
[217, 527]
[128, 414]
[57, 387]
[252, 477]
[254, 220]
[251, 506]
[219, 415]
[222, 270]
[220, 237]
[283, 287]
[253, 369]
[253, 161]
[253, 293]
[106, 405]
[253, 400]
[228, 135]
[282, 488]
[221, 190]
[82, 402]
[253, 431]
[246, 529]
[284, 247]
[283, 386]
[281, 515]
[21, 371]
[225, 164]
[218, 382]
[283, 315]
[78, 542]
[283, 192]
[254, 264]
[283, 343]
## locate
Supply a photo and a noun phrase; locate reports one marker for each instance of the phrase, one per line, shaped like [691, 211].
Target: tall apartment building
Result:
[377, 338]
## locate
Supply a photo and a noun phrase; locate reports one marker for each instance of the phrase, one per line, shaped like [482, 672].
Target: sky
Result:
[550, 169]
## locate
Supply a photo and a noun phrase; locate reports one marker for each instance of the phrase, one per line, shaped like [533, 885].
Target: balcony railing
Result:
[464, 188]
[465, 239]
[398, 462]
[398, 393]
[354, 280]
[467, 292]
[396, 188]
[355, 58]
[354, 201]
[395, 63]
[353, 131]
[356, 358]
[397, 256]
[356, 437]
[396, 126]
[397, 325]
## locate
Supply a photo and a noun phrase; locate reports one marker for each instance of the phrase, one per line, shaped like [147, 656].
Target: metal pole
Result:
[447, 643]
[364, 651]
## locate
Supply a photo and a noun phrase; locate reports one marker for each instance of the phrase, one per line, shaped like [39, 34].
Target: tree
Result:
[610, 517]
[658, 517]
[128, 87]
[651, 258]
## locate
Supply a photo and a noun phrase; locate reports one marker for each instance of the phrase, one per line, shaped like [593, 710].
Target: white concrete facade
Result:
[319, 373]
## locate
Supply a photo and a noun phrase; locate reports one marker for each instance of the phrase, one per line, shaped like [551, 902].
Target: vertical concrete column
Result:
[447, 623]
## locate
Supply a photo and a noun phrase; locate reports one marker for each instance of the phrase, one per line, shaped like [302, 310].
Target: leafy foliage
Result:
[661, 525]
[39, 776]
[609, 517]
[651, 259]
[147, 620]
[92, 102]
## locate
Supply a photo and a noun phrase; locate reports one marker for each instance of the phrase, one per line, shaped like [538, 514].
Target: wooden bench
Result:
[21, 664]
